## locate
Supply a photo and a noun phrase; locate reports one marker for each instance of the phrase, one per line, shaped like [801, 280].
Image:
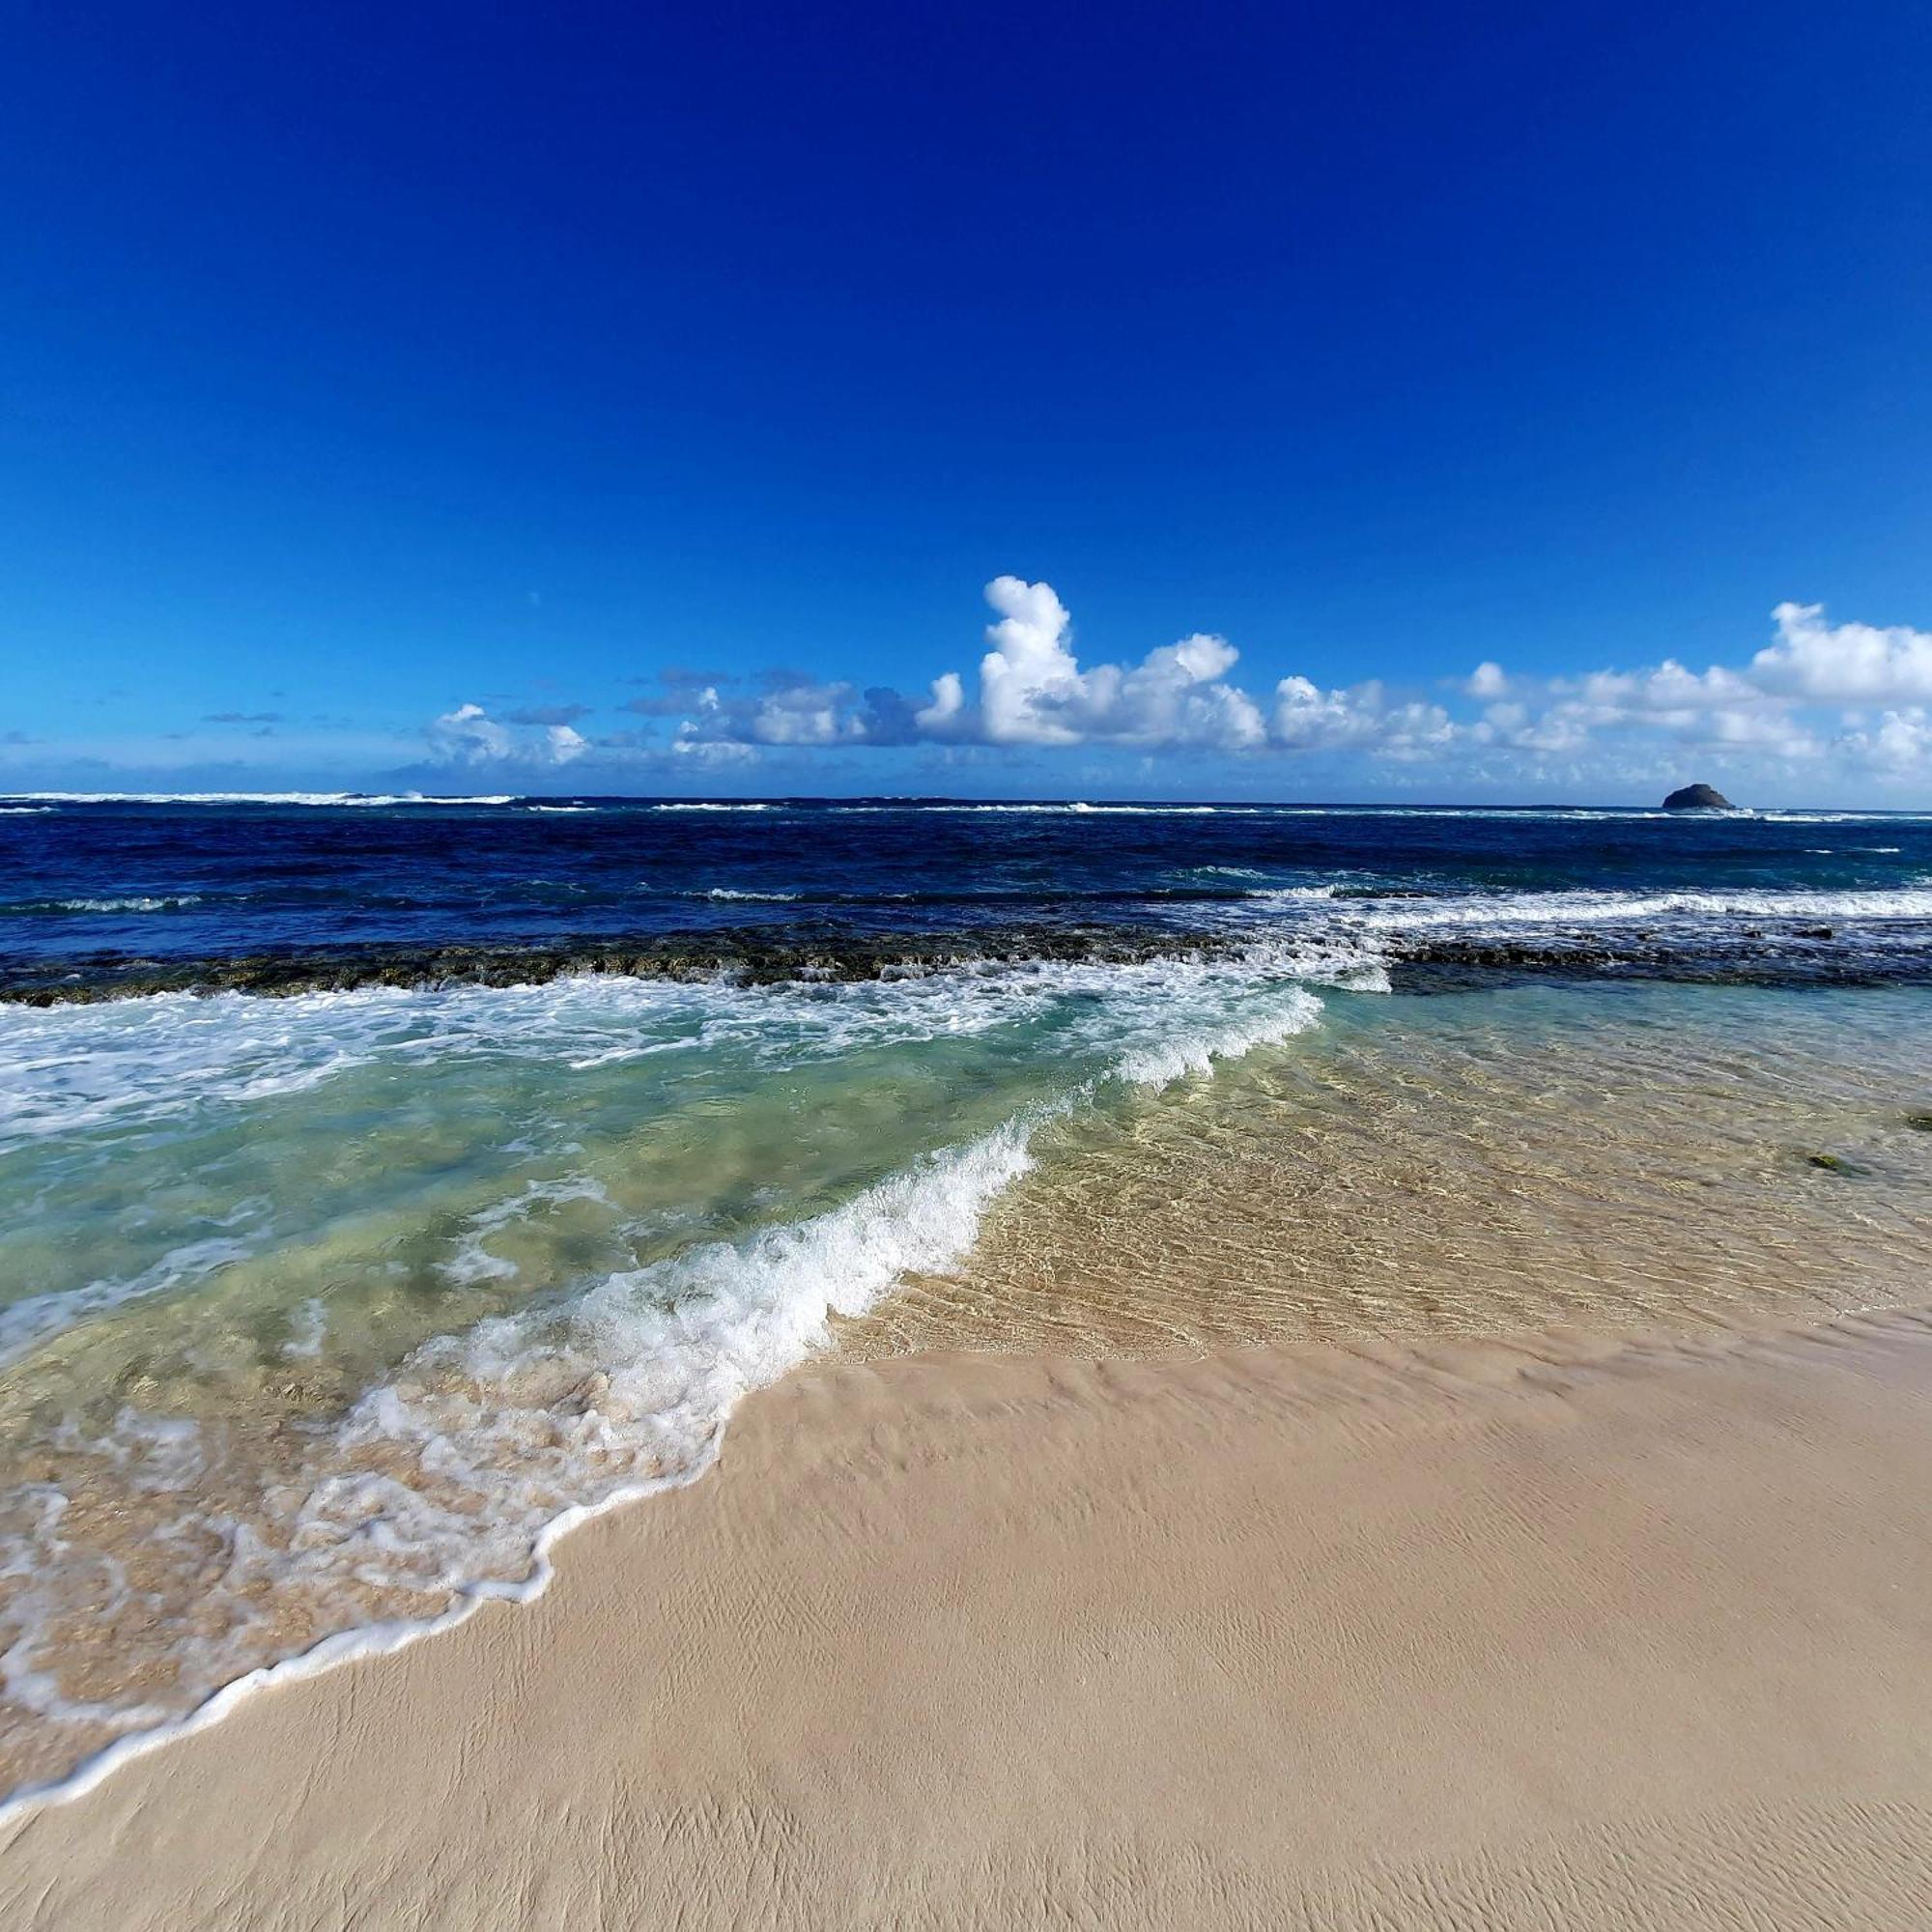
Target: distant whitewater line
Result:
[17, 802]
[306, 798]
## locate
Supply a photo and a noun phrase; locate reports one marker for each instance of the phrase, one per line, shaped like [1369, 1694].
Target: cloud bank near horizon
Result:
[1820, 708]
[1852, 699]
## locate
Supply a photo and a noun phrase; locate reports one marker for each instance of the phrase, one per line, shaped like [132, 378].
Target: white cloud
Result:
[713, 751]
[469, 735]
[1845, 663]
[1900, 744]
[1308, 718]
[1030, 674]
[1034, 691]
[799, 714]
[807, 714]
[941, 718]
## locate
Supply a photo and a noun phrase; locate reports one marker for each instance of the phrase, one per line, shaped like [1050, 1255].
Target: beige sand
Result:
[1490, 1638]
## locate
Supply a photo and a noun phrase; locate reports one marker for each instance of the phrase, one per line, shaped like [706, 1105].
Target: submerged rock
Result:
[1697, 798]
[1835, 1163]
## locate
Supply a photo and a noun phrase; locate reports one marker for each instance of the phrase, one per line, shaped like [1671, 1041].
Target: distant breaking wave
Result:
[140, 903]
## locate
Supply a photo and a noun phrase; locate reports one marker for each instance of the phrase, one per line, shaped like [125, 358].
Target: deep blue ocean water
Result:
[173, 880]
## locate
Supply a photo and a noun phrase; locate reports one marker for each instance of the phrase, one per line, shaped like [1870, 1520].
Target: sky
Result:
[1513, 402]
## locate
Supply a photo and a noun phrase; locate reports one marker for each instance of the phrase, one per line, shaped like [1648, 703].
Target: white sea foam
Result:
[174, 1057]
[1266, 1021]
[1081, 807]
[1777, 817]
[1051, 806]
[1314, 917]
[1311, 933]
[1594, 908]
[140, 903]
[167, 1056]
[768, 899]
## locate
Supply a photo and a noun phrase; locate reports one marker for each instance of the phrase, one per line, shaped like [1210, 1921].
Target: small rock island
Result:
[1697, 798]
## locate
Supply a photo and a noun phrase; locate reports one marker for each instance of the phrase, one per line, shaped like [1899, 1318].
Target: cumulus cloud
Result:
[1846, 664]
[1308, 718]
[1899, 742]
[946, 716]
[1034, 691]
[786, 713]
[1029, 679]
[1781, 704]
[469, 735]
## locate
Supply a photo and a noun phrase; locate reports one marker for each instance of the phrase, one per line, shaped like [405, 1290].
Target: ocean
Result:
[387, 1182]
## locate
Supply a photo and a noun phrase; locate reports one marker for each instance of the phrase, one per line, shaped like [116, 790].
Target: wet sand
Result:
[1568, 1632]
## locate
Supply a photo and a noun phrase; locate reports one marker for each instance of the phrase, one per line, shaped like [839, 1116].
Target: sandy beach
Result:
[1566, 1631]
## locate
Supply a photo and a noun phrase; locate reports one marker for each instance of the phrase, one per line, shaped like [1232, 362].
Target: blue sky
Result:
[1340, 402]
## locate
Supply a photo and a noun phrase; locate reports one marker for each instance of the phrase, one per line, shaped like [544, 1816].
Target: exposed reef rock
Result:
[746, 956]
[1425, 960]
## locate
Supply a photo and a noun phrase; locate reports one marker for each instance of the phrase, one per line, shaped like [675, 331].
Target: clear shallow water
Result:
[1616, 1158]
[315, 1312]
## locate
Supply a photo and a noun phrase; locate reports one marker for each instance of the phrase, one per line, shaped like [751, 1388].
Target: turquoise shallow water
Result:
[317, 1312]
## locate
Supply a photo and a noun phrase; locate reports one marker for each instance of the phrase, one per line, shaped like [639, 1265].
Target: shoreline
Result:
[1112, 1587]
